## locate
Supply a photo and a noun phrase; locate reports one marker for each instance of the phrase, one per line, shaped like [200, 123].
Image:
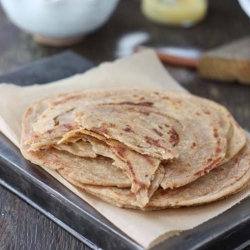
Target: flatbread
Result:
[236, 138]
[135, 140]
[151, 123]
[140, 169]
[143, 130]
[60, 156]
[97, 171]
[79, 148]
[221, 182]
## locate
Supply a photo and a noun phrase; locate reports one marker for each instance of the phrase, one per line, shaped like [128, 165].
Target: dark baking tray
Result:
[230, 230]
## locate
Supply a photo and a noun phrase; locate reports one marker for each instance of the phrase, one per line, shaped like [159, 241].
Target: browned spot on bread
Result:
[157, 132]
[207, 112]
[131, 170]
[216, 133]
[112, 125]
[103, 129]
[146, 175]
[28, 112]
[208, 168]
[56, 122]
[151, 141]
[120, 151]
[166, 125]
[218, 150]
[218, 170]
[142, 98]
[160, 127]
[164, 192]
[156, 93]
[148, 159]
[198, 113]
[209, 160]
[165, 97]
[193, 145]
[144, 112]
[174, 137]
[142, 185]
[129, 130]
[72, 97]
[68, 126]
[147, 104]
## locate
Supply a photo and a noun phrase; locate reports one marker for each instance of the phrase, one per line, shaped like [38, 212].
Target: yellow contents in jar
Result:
[175, 12]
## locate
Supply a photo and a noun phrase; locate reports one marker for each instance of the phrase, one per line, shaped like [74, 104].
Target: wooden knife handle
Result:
[174, 60]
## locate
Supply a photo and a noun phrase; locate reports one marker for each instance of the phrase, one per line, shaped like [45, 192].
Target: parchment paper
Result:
[141, 70]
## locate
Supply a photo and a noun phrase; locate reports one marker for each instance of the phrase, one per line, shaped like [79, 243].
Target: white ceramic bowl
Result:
[59, 19]
[245, 5]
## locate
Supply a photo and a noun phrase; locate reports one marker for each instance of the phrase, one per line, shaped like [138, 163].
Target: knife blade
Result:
[185, 57]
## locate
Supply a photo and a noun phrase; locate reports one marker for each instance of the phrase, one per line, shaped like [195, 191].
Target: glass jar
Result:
[184, 13]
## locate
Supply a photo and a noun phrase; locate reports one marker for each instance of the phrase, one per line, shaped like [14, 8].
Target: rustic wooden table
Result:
[22, 227]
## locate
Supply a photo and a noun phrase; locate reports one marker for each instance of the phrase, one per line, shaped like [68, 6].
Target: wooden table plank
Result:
[23, 227]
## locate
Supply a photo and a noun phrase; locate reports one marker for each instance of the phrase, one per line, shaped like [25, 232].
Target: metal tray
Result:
[230, 230]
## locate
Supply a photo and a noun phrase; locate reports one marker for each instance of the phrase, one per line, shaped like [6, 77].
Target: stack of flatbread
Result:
[139, 148]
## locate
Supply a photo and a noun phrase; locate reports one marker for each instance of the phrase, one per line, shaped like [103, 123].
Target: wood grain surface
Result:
[21, 226]
[24, 228]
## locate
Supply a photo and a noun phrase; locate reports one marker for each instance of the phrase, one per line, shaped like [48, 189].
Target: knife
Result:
[228, 63]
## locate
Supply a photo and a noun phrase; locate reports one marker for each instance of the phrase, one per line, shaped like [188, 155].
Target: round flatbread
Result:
[134, 139]
[160, 125]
